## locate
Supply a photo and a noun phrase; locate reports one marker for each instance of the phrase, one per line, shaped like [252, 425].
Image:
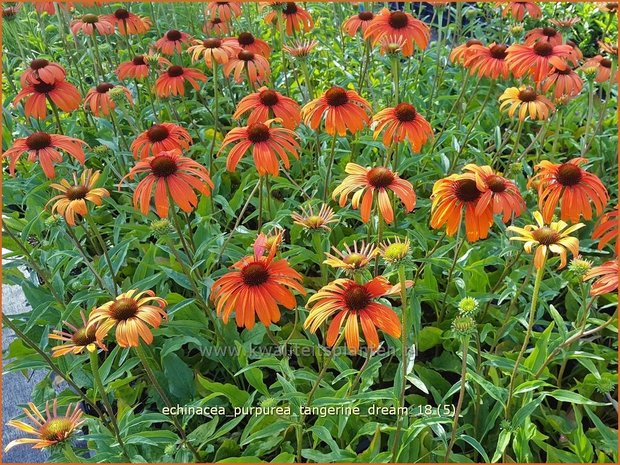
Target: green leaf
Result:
[502, 443]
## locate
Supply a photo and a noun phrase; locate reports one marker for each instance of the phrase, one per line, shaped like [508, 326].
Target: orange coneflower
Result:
[313, 221]
[575, 54]
[518, 10]
[488, 61]
[99, 101]
[174, 177]
[402, 122]
[90, 23]
[267, 144]
[565, 23]
[131, 312]
[62, 94]
[46, 7]
[607, 229]
[399, 23]
[459, 53]
[255, 66]
[160, 137]
[300, 48]
[365, 182]
[342, 109]
[9, 13]
[48, 430]
[349, 300]
[172, 41]
[223, 10]
[553, 238]
[247, 41]
[44, 147]
[212, 50]
[258, 284]
[267, 103]
[73, 199]
[543, 34]
[216, 26]
[172, 81]
[571, 186]
[564, 82]
[352, 259]
[128, 23]
[357, 22]
[75, 342]
[454, 196]
[527, 101]
[602, 65]
[607, 278]
[497, 191]
[538, 59]
[138, 67]
[296, 18]
[609, 48]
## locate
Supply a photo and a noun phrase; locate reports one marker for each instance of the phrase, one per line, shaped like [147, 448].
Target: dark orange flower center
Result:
[76, 192]
[104, 87]
[398, 20]
[405, 112]
[258, 132]
[268, 97]
[549, 31]
[138, 60]
[366, 15]
[212, 43]
[90, 19]
[612, 7]
[336, 96]
[496, 183]
[498, 52]
[466, 190]
[245, 38]
[173, 35]
[123, 309]
[56, 429]
[528, 95]
[216, 21]
[546, 235]
[564, 72]
[245, 55]
[39, 63]
[290, 8]
[543, 49]
[380, 177]
[163, 166]
[38, 141]
[175, 71]
[255, 274]
[83, 337]
[471, 42]
[606, 63]
[157, 133]
[569, 174]
[356, 297]
[43, 87]
[121, 13]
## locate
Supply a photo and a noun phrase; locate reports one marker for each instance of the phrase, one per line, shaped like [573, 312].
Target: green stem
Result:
[162, 394]
[94, 365]
[459, 404]
[56, 115]
[330, 163]
[395, 76]
[215, 119]
[87, 260]
[459, 244]
[539, 277]
[317, 241]
[515, 147]
[104, 249]
[404, 359]
[98, 68]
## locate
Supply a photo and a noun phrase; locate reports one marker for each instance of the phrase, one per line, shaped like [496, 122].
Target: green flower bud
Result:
[161, 227]
[468, 306]
[605, 385]
[463, 325]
